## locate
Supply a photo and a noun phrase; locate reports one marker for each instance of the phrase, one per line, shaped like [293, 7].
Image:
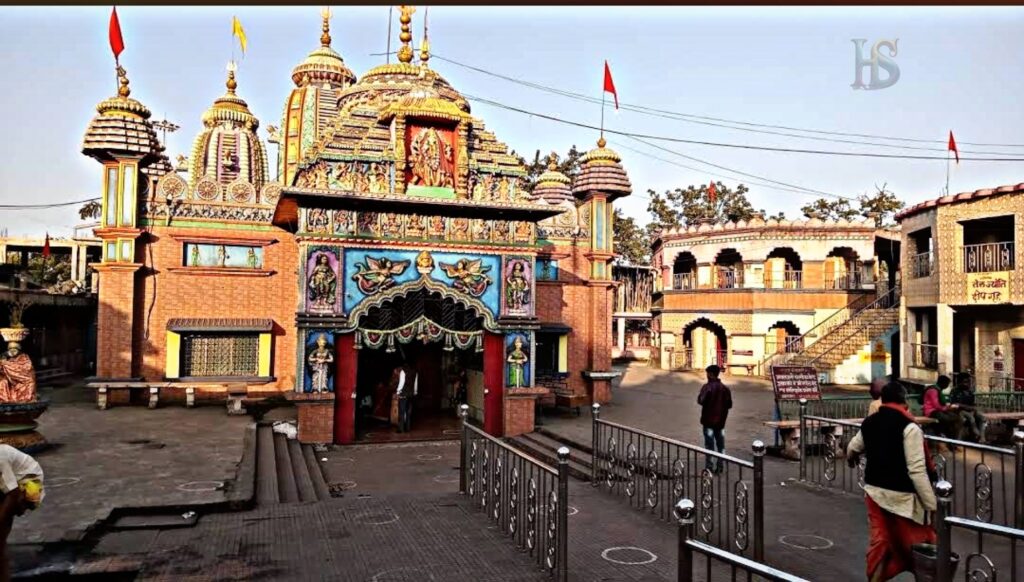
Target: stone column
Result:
[944, 321]
[75, 273]
[3, 253]
[621, 328]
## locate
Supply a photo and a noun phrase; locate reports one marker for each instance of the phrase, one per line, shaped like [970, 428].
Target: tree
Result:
[883, 205]
[569, 165]
[90, 210]
[631, 241]
[689, 206]
[825, 209]
[780, 215]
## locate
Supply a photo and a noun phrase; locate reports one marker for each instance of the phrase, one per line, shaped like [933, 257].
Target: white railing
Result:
[988, 257]
[790, 279]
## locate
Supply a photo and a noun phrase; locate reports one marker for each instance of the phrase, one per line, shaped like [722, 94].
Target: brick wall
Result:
[173, 293]
[316, 421]
[114, 317]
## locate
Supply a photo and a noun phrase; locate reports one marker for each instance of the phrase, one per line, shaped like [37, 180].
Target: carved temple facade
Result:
[400, 231]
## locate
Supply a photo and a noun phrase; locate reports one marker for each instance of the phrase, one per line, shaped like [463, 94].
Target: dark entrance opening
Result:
[419, 338]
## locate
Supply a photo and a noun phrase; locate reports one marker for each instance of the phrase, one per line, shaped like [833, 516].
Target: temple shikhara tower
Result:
[400, 231]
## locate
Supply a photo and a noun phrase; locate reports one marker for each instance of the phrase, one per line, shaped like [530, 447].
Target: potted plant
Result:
[17, 331]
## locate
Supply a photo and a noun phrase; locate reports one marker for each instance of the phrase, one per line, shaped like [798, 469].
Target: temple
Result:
[399, 230]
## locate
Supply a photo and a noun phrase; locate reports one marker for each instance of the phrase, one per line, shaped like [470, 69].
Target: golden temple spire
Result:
[601, 142]
[405, 51]
[553, 161]
[325, 37]
[425, 45]
[122, 79]
[231, 83]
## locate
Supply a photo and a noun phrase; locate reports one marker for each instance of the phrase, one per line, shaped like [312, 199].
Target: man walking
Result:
[715, 400]
[896, 485]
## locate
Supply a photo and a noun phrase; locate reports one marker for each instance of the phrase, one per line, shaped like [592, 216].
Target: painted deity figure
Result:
[460, 229]
[377, 274]
[342, 222]
[414, 228]
[320, 360]
[317, 220]
[517, 360]
[194, 261]
[392, 225]
[323, 283]
[468, 276]
[517, 288]
[431, 160]
[251, 259]
[17, 376]
[522, 231]
[378, 180]
[436, 227]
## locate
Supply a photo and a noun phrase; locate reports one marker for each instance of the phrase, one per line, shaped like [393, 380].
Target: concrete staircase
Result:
[543, 445]
[286, 471]
[846, 339]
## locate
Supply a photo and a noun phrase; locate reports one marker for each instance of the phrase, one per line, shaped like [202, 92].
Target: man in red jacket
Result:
[715, 400]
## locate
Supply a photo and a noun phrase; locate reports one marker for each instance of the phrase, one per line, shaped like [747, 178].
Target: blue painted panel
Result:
[356, 259]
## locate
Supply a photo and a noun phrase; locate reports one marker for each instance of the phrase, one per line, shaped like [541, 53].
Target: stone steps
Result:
[544, 448]
[286, 471]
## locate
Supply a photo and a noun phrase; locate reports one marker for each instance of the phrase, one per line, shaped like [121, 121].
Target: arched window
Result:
[684, 271]
[728, 269]
[843, 269]
[783, 269]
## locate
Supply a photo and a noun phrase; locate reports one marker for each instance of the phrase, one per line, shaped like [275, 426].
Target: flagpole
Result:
[602, 112]
[387, 52]
[947, 171]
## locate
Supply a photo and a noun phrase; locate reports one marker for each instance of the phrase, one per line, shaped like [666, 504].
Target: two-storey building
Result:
[962, 307]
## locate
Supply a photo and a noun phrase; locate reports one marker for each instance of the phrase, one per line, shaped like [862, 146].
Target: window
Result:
[215, 255]
[988, 244]
[220, 354]
[128, 197]
[110, 198]
[922, 258]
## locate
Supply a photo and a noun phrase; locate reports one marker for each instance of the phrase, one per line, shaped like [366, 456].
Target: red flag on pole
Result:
[609, 85]
[952, 147]
[116, 41]
[46, 247]
[712, 193]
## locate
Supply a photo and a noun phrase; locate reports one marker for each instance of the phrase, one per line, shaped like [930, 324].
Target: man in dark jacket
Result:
[715, 400]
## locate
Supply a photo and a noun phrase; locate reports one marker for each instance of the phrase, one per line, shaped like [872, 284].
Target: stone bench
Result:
[571, 401]
[105, 389]
[789, 432]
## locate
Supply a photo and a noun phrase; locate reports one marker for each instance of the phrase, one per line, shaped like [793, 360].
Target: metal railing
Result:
[686, 516]
[655, 472]
[888, 300]
[791, 345]
[988, 257]
[978, 564]
[988, 480]
[729, 278]
[789, 279]
[684, 281]
[526, 499]
[924, 356]
[849, 280]
[683, 359]
[850, 407]
[922, 265]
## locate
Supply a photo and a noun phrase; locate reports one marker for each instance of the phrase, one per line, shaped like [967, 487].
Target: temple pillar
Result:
[621, 329]
[75, 273]
[494, 382]
[115, 321]
[944, 322]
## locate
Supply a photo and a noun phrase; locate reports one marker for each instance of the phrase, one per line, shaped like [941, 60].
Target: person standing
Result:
[715, 400]
[405, 392]
[897, 488]
[21, 484]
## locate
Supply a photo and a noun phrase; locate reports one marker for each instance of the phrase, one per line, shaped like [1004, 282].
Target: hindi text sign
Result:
[988, 288]
[795, 382]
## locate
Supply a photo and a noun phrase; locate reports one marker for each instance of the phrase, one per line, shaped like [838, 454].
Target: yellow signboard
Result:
[988, 288]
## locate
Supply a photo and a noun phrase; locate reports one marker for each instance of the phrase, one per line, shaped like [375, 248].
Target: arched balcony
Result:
[684, 272]
[783, 269]
[843, 269]
[728, 269]
[783, 337]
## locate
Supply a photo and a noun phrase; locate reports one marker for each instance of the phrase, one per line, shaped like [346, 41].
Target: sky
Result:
[960, 70]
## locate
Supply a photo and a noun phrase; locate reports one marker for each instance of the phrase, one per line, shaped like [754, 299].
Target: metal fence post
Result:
[464, 452]
[944, 493]
[563, 514]
[684, 513]
[803, 439]
[1018, 483]
[595, 415]
[759, 449]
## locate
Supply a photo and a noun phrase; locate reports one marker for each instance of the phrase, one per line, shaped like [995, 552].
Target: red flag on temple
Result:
[712, 193]
[116, 41]
[952, 147]
[46, 247]
[609, 85]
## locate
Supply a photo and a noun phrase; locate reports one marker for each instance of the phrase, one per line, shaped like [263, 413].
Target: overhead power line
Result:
[733, 145]
[44, 206]
[744, 125]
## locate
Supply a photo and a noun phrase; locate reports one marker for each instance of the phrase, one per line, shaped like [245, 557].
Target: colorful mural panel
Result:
[468, 273]
[395, 225]
[319, 362]
[517, 277]
[322, 269]
[357, 177]
[431, 156]
[517, 359]
[231, 256]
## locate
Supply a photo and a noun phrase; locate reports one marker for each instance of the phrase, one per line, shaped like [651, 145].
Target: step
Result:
[316, 473]
[266, 467]
[288, 490]
[548, 456]
[582, 447]
[303, 480]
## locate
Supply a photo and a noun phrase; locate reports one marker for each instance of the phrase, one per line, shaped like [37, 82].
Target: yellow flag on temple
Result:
[237, 30]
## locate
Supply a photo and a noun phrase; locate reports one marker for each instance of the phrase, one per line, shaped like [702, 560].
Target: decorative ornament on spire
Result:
[553, 161]
[325, 38]
[231, 83]
[425, 45]
[405, 51]
[122, 78]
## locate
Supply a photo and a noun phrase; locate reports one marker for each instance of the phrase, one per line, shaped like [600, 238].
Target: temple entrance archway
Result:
[439, 340]
[705, 343]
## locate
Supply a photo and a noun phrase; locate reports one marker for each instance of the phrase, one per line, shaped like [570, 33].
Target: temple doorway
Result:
[438, 341]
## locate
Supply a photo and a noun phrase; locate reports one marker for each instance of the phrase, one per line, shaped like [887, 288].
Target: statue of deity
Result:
[17, 376]
[320, 360]
[250, 259]
[517, 359]
[517, 288]
[322, 284]
[195, 256]
[432, 160]
[222, 255]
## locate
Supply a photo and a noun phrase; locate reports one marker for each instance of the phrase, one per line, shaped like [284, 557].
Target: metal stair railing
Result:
[890, 300]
